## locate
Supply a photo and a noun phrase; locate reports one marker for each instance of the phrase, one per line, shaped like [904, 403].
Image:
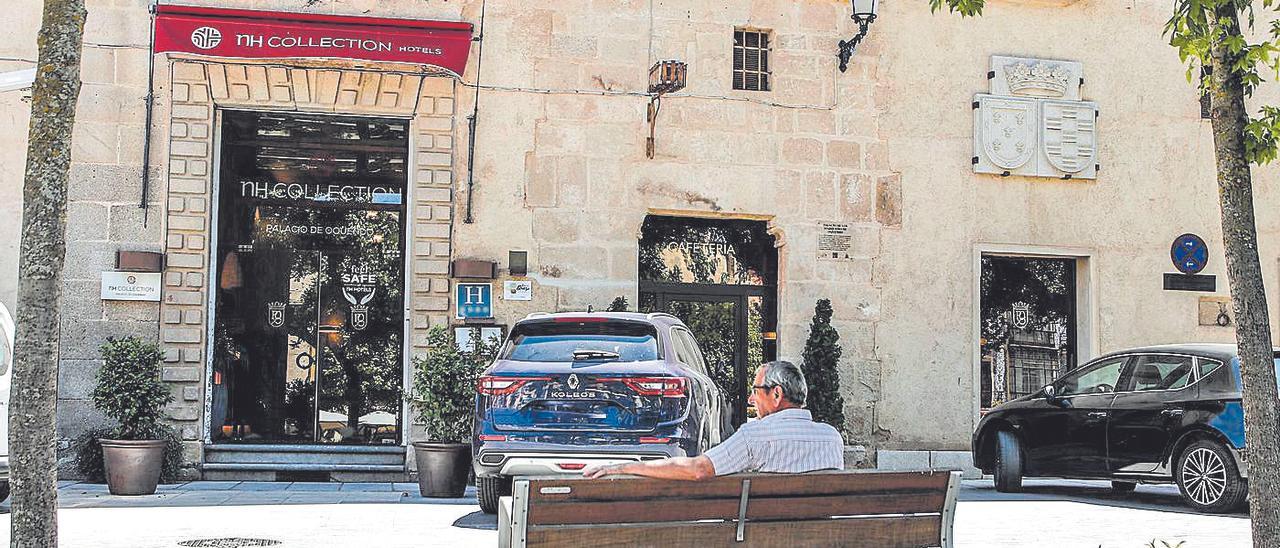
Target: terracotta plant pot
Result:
[442, 468]
[132, 467]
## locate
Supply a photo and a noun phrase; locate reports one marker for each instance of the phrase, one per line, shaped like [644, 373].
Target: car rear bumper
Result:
[537, 459]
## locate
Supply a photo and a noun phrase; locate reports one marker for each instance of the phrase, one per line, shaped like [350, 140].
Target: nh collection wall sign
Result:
[251, 34]
[1033, 121]
[131, 286]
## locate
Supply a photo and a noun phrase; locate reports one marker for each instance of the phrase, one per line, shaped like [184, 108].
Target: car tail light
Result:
[492, 437]
[571, 465]
[667, 387]
[655, 440]
[580, 320]
[498, 386]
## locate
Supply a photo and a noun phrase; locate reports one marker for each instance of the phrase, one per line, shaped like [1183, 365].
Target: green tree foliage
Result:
[444, 384]
[618, 305]
[129, 390]
[821, 368]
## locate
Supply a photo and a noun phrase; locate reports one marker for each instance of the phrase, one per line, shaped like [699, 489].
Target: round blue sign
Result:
[1189, 254]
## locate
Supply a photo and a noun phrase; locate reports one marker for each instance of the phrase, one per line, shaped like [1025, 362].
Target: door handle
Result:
[1097, 415]
[1172, 413]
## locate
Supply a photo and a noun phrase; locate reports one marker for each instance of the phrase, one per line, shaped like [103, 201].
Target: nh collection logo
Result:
[206, 38]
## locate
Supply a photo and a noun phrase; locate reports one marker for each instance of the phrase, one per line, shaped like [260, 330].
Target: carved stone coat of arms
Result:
[1033, 121]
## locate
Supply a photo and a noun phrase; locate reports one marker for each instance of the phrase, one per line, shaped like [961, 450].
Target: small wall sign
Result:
[517, 290]
[474, 301]
[131, 286]
[835, 241]
[463, 337]
[1189, 254]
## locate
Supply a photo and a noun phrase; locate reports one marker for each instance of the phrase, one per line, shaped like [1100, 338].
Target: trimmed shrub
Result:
[821, 368]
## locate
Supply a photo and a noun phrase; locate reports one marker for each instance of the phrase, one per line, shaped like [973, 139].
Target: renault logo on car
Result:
[574, 382]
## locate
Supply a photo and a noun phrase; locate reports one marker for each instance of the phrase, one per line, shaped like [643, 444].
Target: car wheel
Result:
[1123, 486]
[1008, 467]
[1207, 478]
[489, 490]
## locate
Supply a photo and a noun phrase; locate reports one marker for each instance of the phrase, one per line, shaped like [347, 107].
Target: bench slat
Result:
[786, 485]
[896, 532]
[763, 508]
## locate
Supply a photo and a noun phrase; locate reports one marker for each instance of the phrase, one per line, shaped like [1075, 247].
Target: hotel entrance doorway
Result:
[309, 300]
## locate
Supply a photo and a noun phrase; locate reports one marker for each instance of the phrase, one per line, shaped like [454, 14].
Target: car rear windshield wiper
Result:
[582, 354]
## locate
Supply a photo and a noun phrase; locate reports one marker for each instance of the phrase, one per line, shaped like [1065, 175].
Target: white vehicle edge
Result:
[6, 374]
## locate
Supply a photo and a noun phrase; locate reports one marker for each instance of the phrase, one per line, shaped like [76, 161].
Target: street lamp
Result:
[864, 13]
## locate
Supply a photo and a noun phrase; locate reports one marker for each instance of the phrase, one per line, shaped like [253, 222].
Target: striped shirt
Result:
[786, 441]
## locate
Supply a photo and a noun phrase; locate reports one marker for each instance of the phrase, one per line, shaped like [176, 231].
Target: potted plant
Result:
[444, 388]
[130, 392]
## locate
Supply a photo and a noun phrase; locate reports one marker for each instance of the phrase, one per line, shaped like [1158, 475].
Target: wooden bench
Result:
[849, 508]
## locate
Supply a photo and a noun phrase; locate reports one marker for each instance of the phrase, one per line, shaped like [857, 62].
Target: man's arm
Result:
[677, 468]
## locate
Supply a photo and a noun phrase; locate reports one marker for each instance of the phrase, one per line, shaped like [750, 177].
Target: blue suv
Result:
[571, 390]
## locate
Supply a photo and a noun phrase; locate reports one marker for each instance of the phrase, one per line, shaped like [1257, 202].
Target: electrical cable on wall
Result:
[472, 120]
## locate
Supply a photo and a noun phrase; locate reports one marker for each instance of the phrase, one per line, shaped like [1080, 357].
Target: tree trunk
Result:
[1253, 331]
[32, 422]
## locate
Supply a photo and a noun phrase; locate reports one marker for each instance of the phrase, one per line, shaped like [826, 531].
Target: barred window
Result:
[751, 60]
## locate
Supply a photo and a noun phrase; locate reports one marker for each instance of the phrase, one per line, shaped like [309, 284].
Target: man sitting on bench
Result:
[784, 440]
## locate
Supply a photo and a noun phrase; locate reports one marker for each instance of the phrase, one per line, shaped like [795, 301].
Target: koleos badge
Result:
[206, 38]
[359, 308]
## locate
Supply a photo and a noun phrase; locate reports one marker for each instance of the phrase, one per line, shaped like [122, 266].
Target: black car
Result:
[571, 390]
[1159, 414]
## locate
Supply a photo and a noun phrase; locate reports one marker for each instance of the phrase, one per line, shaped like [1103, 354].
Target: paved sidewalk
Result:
[1052, 513]
[249, 493]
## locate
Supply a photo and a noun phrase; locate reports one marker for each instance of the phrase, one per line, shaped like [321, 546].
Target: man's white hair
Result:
[789, 378]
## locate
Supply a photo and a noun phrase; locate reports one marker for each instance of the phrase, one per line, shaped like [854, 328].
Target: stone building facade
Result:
[863, 180]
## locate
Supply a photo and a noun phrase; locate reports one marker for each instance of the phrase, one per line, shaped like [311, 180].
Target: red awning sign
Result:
[249, 34]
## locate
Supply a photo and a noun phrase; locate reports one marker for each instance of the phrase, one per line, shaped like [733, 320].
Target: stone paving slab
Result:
[315, 487]
[368, 487]
[263, 486]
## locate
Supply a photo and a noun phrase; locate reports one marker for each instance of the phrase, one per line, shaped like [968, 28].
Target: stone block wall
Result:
[105, 202]
[562, 173]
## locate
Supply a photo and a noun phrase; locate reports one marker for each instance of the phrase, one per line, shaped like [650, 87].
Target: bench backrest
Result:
[850, 508]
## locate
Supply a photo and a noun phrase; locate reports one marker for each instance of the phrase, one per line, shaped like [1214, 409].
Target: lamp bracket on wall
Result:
[664, 77]
[847, 46]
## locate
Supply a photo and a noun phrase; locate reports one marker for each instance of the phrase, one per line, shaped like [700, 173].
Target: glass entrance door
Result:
[729, 331]
[309, 303]
[719, 277]
[1028, 325]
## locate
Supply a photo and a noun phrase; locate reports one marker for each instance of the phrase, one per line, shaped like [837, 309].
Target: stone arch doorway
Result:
[719, 276]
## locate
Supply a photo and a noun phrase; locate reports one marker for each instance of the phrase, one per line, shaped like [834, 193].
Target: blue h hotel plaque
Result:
[474, 301]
